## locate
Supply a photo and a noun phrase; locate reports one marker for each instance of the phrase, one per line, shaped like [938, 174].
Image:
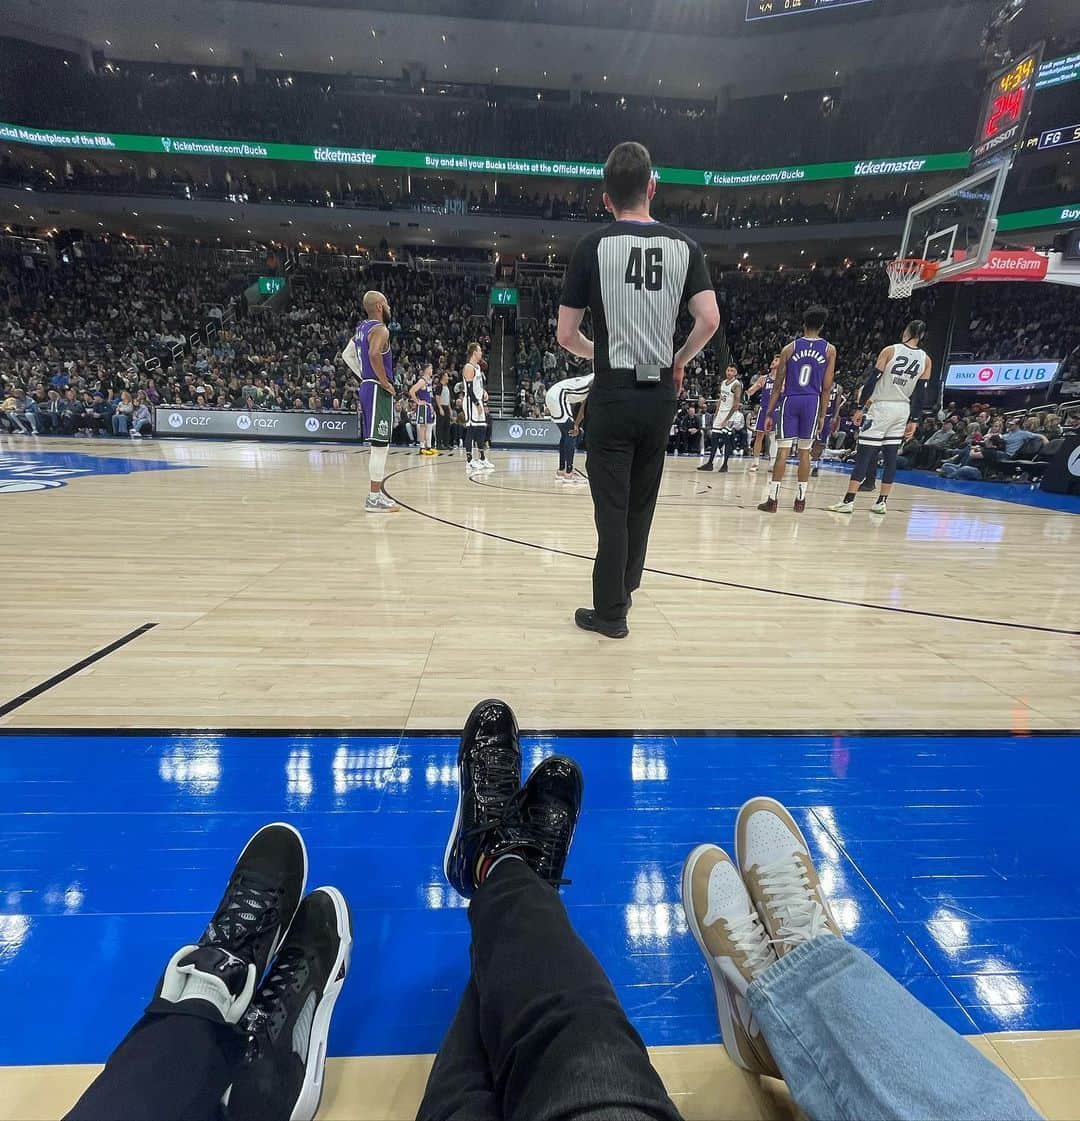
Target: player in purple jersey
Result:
[368, 355]
[420, 395]
[800, 395]
[762, 384]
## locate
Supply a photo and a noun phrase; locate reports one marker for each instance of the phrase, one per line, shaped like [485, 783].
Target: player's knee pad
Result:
[889, 454]
[804, 445]
[377, 463]
[785, 444]
[863, 458]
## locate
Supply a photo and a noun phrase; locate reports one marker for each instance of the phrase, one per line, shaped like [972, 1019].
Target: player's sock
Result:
[801, 491]
[774, 491]
[882, 498]
[850, 496]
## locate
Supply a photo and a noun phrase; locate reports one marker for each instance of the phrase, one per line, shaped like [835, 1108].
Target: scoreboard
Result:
[770, 9]
[1006, 107]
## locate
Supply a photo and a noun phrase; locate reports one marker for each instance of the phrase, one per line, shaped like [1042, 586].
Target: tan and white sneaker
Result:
[783, 883]
[726, 927]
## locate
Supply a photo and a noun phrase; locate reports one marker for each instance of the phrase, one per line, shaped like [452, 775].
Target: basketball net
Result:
[906, 272]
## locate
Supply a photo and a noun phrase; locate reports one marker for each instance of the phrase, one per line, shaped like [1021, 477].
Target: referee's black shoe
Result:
[587, 620]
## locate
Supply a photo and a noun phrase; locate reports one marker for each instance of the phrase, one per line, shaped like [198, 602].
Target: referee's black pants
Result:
[626, 438]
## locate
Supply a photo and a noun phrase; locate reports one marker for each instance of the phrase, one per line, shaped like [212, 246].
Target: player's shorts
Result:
[884, 424]
[425, 414]
[376, 414]
[762, 415]
[796, 420]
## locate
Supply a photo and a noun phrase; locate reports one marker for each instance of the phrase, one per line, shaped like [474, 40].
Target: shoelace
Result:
[752, 941]
[551, 835]
[790, 898]
[270, 999]
[231, 927]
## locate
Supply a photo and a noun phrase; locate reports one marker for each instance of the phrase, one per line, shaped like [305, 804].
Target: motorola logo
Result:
[1074, 462]
[176, 420]
[243, 422]
[515, 431]
[312, 424]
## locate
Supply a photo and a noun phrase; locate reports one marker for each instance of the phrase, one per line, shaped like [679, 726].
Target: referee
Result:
[633, 274]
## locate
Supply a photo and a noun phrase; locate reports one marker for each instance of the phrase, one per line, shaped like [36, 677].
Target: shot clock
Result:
[1006, 107]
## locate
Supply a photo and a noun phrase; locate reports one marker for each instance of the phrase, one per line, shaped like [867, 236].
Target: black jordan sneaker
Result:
[548, 810]
[216, 978]
[287, 1025]
[489, 776]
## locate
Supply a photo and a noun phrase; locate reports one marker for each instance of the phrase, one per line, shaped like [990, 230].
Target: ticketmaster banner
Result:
[255, 425]
[525, 433]
[486, 165]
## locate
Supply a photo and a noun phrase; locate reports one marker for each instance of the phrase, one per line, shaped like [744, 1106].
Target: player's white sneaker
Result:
[774, 859]
[753, 466]
[485, 465]
[842, 507]
[878, 507]
[729, 933]
[380, 504]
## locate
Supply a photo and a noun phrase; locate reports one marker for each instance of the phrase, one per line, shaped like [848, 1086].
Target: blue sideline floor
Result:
[950, 859]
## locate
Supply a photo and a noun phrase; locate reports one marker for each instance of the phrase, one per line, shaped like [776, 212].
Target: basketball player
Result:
[803, 384]
[420, 395]
[897, 382]
[474, 403]
[368, 355]
[762, 384]
[565, 402]
[828, 427]
[727, 405]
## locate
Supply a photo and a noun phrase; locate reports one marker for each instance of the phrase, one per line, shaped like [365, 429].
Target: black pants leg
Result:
[168, 1068]
[559, 1044]
[566, 446]
[626, 438]
[714, 443]
[459, 1087]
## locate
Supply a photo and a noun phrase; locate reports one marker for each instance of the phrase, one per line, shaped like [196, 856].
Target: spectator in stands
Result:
[142, 420]
[123, 407]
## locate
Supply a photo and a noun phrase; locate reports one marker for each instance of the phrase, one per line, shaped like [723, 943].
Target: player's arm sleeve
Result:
[578, 278]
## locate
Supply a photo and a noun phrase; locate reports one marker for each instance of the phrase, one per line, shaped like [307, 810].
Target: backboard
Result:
[955, 228]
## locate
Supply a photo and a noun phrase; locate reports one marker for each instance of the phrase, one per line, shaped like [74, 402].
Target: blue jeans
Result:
[954, 471]
[120, 424]
[853, 1044]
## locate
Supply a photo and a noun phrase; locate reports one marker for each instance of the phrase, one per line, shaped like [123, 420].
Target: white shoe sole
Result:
[307, 1104]
[724, 1011]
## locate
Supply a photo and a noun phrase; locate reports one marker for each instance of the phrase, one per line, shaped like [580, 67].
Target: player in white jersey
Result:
[898, 383]
[565, 402]
[729, 398]
[474, 405]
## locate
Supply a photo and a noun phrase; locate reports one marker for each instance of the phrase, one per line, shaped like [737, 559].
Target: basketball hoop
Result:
[906, 272]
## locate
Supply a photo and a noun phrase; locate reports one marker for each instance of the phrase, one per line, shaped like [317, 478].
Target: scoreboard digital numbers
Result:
[770, 9]
[1006, 107]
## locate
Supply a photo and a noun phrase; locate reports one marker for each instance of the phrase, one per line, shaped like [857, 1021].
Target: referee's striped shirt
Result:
[634, 276]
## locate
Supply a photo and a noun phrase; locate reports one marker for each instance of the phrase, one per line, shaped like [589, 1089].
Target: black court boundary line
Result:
[575, 733]
[730, 583]
[64, 674]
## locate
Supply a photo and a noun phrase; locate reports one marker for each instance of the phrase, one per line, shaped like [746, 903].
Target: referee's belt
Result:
[632, 377]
